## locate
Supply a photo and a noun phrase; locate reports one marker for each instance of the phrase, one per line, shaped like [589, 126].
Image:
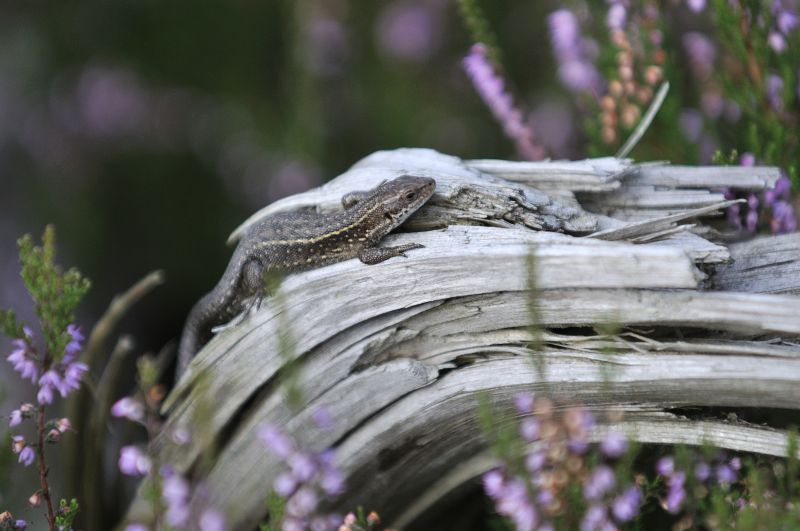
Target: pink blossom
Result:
[133, 462]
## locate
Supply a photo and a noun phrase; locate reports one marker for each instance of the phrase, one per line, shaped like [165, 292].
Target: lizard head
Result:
[402, 196]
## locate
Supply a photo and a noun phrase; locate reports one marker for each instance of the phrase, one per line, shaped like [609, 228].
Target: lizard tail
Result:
[193, 336]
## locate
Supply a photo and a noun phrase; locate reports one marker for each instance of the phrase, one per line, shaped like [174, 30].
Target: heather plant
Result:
[734, 85]
[552, 476]
[51, 365]
[168, 491]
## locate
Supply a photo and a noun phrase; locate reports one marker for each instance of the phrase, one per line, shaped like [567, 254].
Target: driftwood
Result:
[399, 352]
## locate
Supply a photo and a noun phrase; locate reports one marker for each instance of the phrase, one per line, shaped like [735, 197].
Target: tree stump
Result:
[598, 253]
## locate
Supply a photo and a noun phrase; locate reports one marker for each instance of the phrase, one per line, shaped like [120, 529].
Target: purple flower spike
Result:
[175, 492]
[27, 456]
[626, 505]
[75, 345]
[614, 445]
[491, 88]
[20, 525]
[524, 403]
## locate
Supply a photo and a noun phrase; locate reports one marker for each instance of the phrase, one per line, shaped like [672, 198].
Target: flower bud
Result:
[53, 436]
[27, 408]
[63, 425]
[17, 443]
[373, 518]
[36, 499]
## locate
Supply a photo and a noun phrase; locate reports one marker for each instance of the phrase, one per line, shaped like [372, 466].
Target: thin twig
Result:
[644, 124]
[51, 517]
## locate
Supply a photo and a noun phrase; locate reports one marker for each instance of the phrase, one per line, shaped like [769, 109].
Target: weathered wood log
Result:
[399, 352]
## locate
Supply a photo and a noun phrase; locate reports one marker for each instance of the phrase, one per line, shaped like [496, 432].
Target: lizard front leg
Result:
[376, 255]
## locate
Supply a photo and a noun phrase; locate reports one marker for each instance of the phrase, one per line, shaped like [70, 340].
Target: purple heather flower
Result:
[614, 444]
[777, 42]
[491, 88]
[285, 484]
[17, 443]
[787, 21]
[783, 218]
[696, 5]
[409, 30]
[747, 159]
[27, 456]
[277, 442]
[129, 408]
[725, 474]
[292, 524]
[701, 52]
[691, 123]
[15, 419]
[73, 374]
[302, 465]
[75, 345]
[677, 479]
[735, 463]
[332, 482]
[211, 520]
[564, 31]
[513, 497]
[529, 429]
[493, 483]
[712, 104]
[576, 70]
[133, 462]
[20, 525]
[525, 518]
[774, 89]
[665, 466]
[594, 518]
[137, 527]
[22, 364]
[615, 19]
[600, 481]
[524, 402]
[702, 471]
[175, 492]
[626, 505]
[302, 503]
[674, 499]
[534, 461]
[751, 219]
[49, 380]
[322, 418]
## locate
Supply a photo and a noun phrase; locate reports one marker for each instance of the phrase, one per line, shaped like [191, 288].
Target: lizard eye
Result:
[411, 196]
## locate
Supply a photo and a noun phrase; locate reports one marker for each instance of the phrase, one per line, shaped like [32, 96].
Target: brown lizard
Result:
[292, 241]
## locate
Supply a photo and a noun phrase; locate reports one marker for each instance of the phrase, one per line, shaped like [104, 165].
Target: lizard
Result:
[286, 242]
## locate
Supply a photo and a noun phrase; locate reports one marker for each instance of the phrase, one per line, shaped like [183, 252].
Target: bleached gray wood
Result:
[768, 264]
[600, 174]
[399, 351]
[713, 177]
